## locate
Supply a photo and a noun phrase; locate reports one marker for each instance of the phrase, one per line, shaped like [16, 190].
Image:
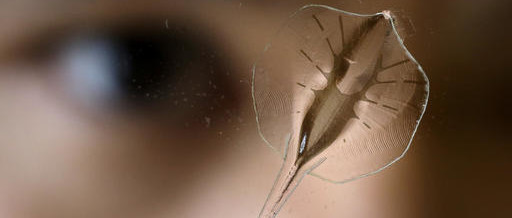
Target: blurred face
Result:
[143, 110]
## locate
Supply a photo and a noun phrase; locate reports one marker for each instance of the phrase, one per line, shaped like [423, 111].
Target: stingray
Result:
[338, 96]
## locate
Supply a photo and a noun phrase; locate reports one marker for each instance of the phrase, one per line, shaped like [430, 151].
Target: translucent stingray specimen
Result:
[338, 95]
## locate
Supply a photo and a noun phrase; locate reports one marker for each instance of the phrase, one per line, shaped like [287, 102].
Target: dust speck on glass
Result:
[338, 95]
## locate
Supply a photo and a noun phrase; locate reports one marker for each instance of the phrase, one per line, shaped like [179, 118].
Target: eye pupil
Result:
[145, 68]
[166, 66]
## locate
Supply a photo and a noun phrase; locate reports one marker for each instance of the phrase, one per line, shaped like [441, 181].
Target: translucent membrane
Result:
[338, 95]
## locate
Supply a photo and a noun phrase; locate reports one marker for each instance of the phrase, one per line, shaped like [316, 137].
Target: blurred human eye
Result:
[168, 69]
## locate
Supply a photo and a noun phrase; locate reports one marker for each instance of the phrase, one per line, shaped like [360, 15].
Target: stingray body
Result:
[365, 103]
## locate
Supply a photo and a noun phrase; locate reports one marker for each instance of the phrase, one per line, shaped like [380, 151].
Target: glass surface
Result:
[144, 109]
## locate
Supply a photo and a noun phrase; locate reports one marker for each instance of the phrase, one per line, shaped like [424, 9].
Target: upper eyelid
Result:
[21, 37]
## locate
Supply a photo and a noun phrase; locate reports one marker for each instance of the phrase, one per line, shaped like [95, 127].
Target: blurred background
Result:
[129, 144]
